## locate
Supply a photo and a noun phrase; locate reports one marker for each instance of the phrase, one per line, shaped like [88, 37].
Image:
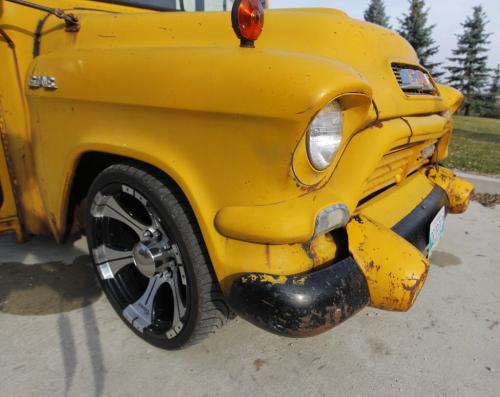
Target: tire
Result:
[150, 258]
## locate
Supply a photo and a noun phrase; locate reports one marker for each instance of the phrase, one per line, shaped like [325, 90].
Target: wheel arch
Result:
[85, 170]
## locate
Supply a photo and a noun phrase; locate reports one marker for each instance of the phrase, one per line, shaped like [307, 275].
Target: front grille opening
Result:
[394, 167]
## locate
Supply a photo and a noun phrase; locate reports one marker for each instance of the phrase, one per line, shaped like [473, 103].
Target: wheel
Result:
[150, 258]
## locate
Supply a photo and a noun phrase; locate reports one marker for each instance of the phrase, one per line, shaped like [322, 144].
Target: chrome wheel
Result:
[139, 262]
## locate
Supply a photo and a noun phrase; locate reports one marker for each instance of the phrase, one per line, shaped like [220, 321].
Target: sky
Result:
[445, 14]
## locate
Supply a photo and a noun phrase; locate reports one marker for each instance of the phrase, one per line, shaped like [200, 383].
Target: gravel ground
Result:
[59, 336]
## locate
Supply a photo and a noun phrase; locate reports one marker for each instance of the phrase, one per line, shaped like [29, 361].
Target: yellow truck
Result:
[287, 172]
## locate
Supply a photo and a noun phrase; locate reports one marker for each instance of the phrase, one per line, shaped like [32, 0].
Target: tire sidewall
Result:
[178, 226]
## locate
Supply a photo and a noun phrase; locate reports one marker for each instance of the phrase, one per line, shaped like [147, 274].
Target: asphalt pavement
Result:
[59, 336]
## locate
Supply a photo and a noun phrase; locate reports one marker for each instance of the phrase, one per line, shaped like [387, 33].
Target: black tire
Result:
[187, 290]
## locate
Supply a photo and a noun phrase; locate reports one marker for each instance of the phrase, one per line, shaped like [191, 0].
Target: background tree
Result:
[470, 72]
[375, 13]
[491, 107]
[415, 29]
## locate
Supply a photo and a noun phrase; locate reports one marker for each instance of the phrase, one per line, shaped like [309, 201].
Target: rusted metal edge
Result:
[5, 145]
[303, 305]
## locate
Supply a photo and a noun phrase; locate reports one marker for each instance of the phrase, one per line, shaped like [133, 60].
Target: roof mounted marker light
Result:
[247, 17]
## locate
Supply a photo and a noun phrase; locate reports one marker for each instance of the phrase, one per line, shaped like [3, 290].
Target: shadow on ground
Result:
[47, 288]
[56, 287]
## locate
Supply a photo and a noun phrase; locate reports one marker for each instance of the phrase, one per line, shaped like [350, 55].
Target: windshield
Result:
[179, 5]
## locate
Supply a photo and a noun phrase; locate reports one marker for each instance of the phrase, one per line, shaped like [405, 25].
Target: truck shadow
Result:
[57, 288]
[47, 288]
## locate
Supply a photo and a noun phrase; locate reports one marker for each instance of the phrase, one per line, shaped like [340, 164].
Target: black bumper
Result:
[301, 306]
[415, 226]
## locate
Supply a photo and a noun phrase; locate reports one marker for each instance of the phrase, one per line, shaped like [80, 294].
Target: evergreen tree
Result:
[375, 13]
[491, 107]
[415, 29]
[470, 72]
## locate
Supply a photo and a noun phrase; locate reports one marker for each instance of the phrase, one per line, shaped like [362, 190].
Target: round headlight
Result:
[324, 136]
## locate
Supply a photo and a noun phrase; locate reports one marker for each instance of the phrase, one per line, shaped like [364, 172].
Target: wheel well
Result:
[90, 165]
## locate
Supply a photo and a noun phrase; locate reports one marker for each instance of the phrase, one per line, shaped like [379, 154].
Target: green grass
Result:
[475, 145]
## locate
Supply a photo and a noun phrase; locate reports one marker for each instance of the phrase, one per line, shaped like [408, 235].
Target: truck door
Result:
[9, 220]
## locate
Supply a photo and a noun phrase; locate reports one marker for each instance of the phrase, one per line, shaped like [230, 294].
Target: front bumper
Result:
[304, 305]
[387, 268]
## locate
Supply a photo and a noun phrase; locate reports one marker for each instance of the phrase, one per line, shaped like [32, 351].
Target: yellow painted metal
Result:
[451, 96]
[273, 223]
[458, 190]
[395, 270]
[389, 207]
[284, 259]
[227, 124]
[9, 221]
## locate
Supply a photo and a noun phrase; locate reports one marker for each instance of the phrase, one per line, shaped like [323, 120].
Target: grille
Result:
[413, 90]
[395, 166]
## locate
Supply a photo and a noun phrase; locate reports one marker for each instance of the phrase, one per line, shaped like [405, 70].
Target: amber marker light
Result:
[247, 17]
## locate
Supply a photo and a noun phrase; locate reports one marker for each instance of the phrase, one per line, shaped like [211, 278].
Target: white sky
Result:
[446, 14]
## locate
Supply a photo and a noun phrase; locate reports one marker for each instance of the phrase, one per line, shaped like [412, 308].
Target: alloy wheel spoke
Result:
[179, 308]
[107, 206]
[140, 313]
[110, 261]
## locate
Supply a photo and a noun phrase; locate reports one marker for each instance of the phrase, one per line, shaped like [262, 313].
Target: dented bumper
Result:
[387, 269]
[300, 306]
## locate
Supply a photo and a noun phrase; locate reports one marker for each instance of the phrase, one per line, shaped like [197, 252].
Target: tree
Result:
[469, 73]
[415, 29]
[491, 107]
[375, 13]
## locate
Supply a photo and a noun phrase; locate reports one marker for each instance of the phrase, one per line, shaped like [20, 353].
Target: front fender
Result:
[173, 108]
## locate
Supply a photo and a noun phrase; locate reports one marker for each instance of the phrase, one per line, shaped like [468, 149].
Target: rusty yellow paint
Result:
[458, 190]
[299, 281]
[265, 278]
[395, 270]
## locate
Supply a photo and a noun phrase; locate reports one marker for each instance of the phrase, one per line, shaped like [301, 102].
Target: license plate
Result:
[415, 79]
[436, 230]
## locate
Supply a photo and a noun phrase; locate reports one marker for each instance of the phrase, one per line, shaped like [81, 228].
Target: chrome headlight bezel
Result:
[324, 136]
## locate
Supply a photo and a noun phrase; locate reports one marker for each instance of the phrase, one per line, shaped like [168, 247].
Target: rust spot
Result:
[338, 315]
[268, 255]
[259, 363]
[358, 219]
[309, 188]
[308, 250]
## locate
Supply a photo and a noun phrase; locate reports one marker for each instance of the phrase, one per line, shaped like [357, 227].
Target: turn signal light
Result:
[247, 17]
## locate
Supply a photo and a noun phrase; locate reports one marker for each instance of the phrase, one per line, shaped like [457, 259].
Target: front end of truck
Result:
[375, 195]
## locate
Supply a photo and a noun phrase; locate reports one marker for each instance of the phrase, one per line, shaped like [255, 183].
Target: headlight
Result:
[324, 136]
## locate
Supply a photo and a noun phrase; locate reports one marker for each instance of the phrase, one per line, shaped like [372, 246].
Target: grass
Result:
[475, 145]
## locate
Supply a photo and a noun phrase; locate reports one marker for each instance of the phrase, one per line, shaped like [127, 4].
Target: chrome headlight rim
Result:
[319, 160]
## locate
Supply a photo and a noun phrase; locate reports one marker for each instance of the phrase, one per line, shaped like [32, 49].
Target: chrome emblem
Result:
[47, 82]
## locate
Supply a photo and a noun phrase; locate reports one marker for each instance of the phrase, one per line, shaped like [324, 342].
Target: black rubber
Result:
[207, 309]
[414, 228]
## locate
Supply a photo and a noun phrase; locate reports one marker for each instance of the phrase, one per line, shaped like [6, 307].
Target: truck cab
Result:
[289, 172]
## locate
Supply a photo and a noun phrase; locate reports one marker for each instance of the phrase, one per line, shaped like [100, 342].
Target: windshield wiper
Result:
[71, 21]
